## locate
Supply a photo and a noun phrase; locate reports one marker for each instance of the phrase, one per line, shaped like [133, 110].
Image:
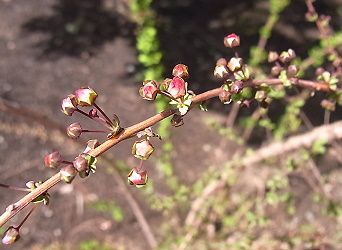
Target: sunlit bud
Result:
[235, 63]
[319, 71]
[236, 87]
[91, 144]
[292, 70]
[149, 90]
[225, 97]
[74, 130]
[142, 149]
[137, 177]
[272, 56]
[311, 16]
[324, 20]
[260, 95]
[328, 105]
[292, 54]
[221, 61]
[85, 96]
[177, 120]
[177, 87]
[221, 71]
[68, 173]
[181, 70]
[11, 235]
[81, 163]
[31, 185]
[69, 105]
[232, 40]
[275, 71]
[53, 160]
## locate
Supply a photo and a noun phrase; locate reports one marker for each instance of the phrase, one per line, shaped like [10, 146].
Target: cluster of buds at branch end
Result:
[137, 177]
[11, 235]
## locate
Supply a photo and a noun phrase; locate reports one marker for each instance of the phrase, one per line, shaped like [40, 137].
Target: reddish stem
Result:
[26, 217]
[109, 122]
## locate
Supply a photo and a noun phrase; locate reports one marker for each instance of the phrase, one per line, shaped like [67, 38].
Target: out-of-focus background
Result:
[50, 48]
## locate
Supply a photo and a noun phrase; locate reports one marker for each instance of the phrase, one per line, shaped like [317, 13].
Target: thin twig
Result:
[15, 208]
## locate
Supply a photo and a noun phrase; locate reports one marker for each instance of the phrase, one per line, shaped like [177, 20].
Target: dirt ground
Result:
[50, 48]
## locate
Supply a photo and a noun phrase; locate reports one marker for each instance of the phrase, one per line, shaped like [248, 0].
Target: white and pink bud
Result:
[53, 160]
[11, 235]
[149, 90]
[177, 88]
[69, 105]
[137, 177]
[68, 173]
[231, 40]
[272, 56]
[181, 70]
[142, 149]
[221, 71]
[85, 96]
[235, 63]
[74, 130]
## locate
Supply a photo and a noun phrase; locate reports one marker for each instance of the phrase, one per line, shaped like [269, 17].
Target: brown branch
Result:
[15, 208]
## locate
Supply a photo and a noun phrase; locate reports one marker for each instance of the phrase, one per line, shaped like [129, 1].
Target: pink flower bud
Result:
[69, 105]
[292, 54]
[53, 160]
[236, 87]
[272, 56]
[221, 61]
[221, 71]
[177, 87]
[142, 149]
[328, 105]
[68, 173]
[137, 177]
[181, 70]
[292, 71]
[235, 63]
[287, 56]
[11, 235]
[85, 96]
[74, 130]
[225, 97]
[81, 163]
[232, 40]
[149, 90]
[275, 71]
